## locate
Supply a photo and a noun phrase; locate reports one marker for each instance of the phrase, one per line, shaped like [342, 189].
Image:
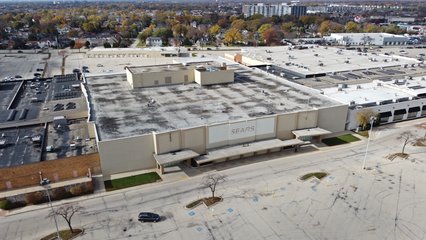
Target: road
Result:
[265, 199]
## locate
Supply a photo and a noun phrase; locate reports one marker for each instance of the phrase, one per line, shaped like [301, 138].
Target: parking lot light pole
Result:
[372, 119]
[54, 214]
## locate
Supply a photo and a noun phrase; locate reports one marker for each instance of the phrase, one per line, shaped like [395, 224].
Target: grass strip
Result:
[131, 181]
[318, 175]
[340, 140]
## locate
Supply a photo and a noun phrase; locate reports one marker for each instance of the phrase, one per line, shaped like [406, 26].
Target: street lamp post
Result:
[54, 215]
[372, 119]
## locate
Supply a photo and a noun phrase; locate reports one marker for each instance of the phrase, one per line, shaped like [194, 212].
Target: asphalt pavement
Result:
[265, 199]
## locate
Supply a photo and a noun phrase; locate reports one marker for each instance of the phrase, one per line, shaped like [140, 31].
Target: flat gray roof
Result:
[37, 101]
[20, 149]
[76, 132]
[362, 76]
[120, 111]
[366, 93]
[322, 59]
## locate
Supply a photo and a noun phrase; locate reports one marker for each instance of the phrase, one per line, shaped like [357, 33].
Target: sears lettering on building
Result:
[242, 130]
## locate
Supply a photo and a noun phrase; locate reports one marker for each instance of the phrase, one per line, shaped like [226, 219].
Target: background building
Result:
[269, 10]
[153, 42]
[298, 11]
[390, 101]
[378, 39]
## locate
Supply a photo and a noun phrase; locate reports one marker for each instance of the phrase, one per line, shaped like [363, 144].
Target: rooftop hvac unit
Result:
[379, 84]
[342, 85]
[358, 86]
[223, 65]
[339, 89]
[352, 103]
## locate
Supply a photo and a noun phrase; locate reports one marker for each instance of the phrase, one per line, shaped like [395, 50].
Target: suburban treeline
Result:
[174, 27]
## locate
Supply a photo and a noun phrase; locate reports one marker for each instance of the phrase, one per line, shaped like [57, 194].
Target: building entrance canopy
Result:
[310, 132]
[240, 150]
[174, 157]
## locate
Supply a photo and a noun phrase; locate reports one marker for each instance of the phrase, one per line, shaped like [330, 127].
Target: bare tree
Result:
[211, 181]
[67, 211]
[364, 116]
[406, 138]
[422, 126]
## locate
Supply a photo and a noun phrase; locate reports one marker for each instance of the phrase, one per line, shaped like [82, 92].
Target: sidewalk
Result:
[20, 191]
[99, 191]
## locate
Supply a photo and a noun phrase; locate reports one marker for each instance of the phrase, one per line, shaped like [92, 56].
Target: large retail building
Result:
[146, 120]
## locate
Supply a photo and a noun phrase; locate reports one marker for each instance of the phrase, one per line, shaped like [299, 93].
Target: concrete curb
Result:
[84, 197]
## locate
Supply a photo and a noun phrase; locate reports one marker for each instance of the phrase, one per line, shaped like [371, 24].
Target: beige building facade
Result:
[137, 153]
[172, 74]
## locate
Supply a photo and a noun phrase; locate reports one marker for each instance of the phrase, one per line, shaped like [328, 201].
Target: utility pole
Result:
[372, 119]
[54, 215]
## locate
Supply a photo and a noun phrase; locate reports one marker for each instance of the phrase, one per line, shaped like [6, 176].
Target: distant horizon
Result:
[239, 1]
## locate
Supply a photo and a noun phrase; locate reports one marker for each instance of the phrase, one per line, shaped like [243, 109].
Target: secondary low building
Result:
[366, 39]
[308, 61]
[391, 101]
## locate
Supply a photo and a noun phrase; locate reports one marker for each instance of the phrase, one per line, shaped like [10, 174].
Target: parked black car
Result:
[148, 217]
